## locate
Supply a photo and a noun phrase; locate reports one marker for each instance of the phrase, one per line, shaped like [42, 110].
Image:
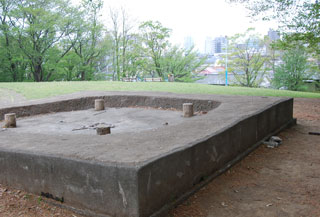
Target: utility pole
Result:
[227, 61]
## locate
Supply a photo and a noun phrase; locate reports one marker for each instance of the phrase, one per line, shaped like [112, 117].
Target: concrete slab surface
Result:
[138, 172]
[84, 122]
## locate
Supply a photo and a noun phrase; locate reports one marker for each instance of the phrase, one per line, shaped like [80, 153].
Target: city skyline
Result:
[217, 44]
[197, 19]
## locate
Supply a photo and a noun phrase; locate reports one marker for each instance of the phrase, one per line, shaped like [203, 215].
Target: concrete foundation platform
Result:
[138, 172]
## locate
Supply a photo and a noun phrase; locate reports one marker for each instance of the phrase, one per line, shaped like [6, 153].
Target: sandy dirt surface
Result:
[284, 181]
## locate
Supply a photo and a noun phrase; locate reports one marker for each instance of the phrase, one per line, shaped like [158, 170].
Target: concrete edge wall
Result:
[110, 101]
[117, 190]
[104, 189]
[167, 178]
[166, 208]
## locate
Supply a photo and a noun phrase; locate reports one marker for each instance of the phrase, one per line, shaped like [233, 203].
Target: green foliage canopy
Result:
[155, 38]
[46, 40]
[299, 19]
[181, 63]
[294, 69]
[246, 60]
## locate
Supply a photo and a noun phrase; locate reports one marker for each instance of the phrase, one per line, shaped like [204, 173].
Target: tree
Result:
[38, 27]
[116, 44]
[126, 40]
[103, 62]
[246, 59]
[155, 38]
[136, 62]
[123, 45]
[86, 42]
[12, 62]
[70, 66]
[299, 22]
[272, 52]
[294, 69]
[299, 19]
[181, 63]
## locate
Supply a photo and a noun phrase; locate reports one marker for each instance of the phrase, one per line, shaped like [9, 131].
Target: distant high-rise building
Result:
[188, 43]
[220, 44]
[254, 42]
[209, 46]
[273, 35]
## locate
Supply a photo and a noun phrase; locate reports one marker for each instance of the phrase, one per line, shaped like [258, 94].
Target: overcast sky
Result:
[196, 18]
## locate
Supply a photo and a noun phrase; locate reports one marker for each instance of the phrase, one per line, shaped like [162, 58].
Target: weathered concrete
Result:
[138, 174]
[99, 104]
[187, 109]
[85, 122]
[86, 101]
[103, 130]
[10, 120]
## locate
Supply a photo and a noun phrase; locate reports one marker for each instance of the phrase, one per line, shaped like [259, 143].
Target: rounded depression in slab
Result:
[87, 121]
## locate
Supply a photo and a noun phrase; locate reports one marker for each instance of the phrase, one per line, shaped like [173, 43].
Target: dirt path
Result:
[279, 182]
[10, 97]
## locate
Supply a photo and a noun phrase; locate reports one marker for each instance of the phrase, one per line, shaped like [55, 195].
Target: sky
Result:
[196, 18]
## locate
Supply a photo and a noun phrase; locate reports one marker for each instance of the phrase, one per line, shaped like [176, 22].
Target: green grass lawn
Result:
[32, 90]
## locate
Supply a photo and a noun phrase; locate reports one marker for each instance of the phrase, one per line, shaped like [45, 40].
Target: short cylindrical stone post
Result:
[187, 109]
[103, 130]
[10, 120]
[99, 104]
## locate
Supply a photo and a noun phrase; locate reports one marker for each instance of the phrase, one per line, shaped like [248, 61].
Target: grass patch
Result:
[47, 89]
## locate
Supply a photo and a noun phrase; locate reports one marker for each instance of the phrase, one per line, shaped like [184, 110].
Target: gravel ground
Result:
[284, 181]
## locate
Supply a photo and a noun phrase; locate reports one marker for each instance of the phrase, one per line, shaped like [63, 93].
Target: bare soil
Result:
[283, 181]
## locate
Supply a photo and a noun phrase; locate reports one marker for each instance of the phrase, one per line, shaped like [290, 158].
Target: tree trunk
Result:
[13, 71]
[37, 73]
[83, 75]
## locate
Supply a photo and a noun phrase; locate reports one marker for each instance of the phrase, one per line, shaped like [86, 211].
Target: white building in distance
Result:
[188, 43]
[209, 46]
